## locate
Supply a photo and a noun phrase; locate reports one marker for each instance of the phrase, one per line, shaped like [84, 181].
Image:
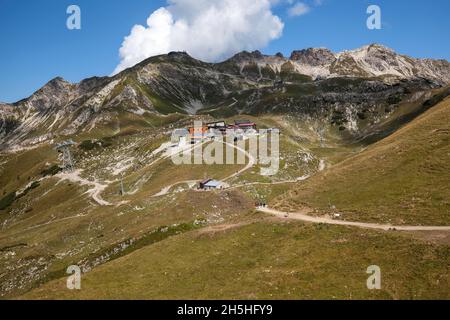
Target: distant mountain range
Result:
[369, 61]
[306, 83]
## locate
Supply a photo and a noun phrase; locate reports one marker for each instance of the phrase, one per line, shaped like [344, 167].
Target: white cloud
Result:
[209, 30]
[298, 9]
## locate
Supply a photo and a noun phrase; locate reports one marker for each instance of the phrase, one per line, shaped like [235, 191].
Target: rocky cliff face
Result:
[314, 57]
[311, 81]
[369, 61]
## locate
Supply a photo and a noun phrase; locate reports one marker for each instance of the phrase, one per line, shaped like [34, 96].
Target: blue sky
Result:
[37, 46]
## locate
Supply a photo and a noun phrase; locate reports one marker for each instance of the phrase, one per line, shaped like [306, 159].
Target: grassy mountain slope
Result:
[57, 223]
[238, 254]
[268, 260]
[402, 179]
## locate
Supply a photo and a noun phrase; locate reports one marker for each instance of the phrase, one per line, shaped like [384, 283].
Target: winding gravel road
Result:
[303, 216]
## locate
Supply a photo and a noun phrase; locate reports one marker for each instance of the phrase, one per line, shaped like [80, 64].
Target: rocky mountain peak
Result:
[247, 56]
[374, 50]
[313, 56]
[178, 54]
[175, 56]
[52, 94]
[378, 47]
[57, 84]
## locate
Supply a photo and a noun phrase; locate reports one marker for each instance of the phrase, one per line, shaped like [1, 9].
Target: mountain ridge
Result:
[243, 54]
[309, 81]
[368, 61]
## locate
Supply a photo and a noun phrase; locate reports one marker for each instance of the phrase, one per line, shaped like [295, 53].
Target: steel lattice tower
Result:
[64, 148]
[122, 189]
